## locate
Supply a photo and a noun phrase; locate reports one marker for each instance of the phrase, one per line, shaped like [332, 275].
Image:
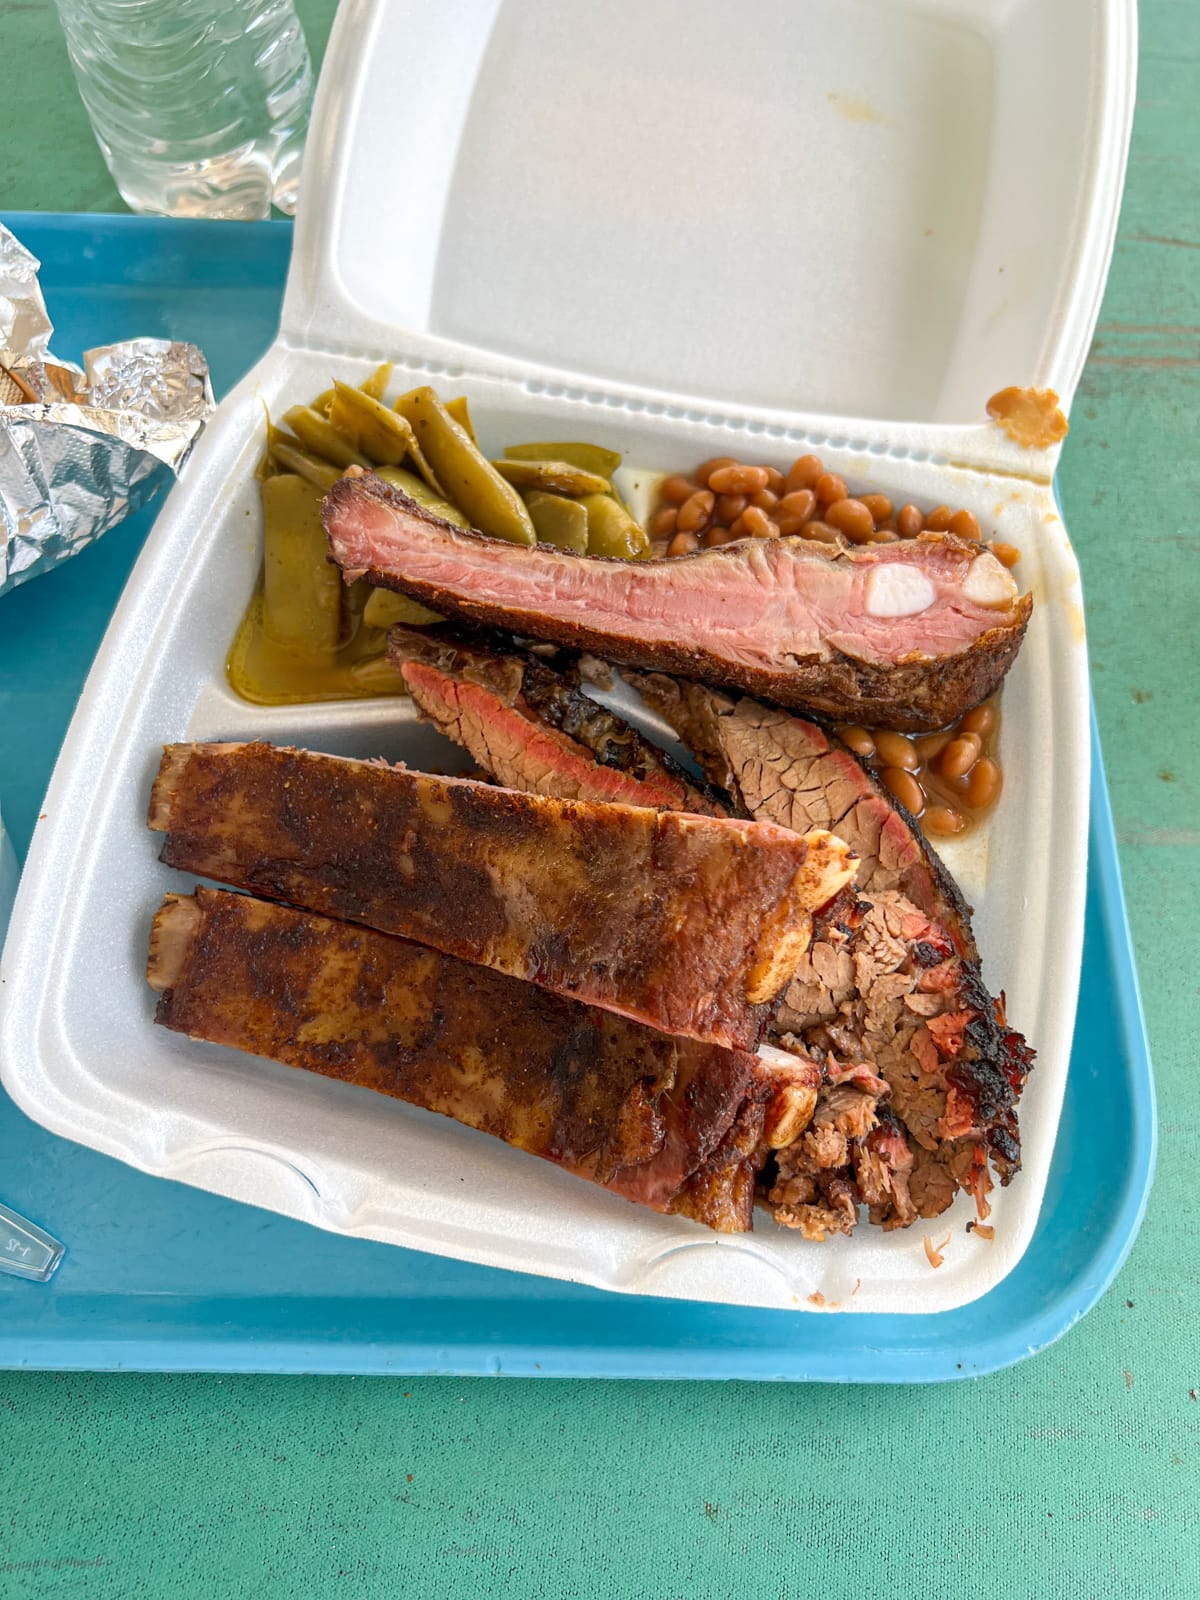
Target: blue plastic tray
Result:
[158, 1276]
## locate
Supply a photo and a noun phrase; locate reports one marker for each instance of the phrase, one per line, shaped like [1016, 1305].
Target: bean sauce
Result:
[949, 780]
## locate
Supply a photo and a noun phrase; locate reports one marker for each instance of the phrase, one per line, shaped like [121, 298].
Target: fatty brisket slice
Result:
[669, 1123]
[907, 635]
[687, 923]
[921, 1073]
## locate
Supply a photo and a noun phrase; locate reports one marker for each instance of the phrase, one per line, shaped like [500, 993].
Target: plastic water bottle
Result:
[199, 106]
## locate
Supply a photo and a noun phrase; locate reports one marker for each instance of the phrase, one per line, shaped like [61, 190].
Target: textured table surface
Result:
[1074, 1475]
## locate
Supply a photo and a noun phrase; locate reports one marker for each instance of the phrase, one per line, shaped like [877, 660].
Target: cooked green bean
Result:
[375, 385]
[466, 476]
[286, 453]
[302, 596]
[370, 426]
[384, 607]
[461, 413]
[319, 435]
[559, 521]
[416, 489]
[560, 477]
[591, 457]
[611, 529]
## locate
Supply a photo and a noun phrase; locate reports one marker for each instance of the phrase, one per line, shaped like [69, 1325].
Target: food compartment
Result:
[357, 1163]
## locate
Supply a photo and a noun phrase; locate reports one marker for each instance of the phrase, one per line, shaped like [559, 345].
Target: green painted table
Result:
[1074, 1475]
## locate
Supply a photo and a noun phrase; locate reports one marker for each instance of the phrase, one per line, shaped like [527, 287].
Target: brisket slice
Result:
[895, 981]
[670, 1123]
[905, 635]
[532, 728]
[690, 924]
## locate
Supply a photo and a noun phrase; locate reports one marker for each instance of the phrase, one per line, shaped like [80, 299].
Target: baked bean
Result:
[696, 512]
[858, 739]
[683, 544]
[905, 788]
[713, 464]
[729, 508]
[884, 536]
[959, 756]
[774, 480]
[951, 778]
[897, 751]
[821, 532]
[852, 518]
[799, 503]
[755, 521]
[662, 523]
[878, 505]
[829, 487]
[938, 519]
[930, 745]
[790, 527]
[909, 521]
[737, 479]
[715, 536]
[965, 525]
[676, 489]
[803, 474]
[765, 500]
[983, 786]
[1006, 554]
[943, 820]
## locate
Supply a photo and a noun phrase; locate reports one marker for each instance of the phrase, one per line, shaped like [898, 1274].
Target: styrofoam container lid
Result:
[679, 230]
[868, 214]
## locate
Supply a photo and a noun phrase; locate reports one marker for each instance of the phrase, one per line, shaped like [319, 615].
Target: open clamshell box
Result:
[678, 230]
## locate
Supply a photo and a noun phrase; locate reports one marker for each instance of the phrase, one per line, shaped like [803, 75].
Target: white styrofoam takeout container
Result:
[677, 229]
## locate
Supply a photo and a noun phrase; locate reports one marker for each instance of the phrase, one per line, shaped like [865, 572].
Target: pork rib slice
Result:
[895, 980]
[690, 924]
[531, 727]
[670, 1123]
[904, 635]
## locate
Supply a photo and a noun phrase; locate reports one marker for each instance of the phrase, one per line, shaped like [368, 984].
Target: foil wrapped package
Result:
[82, 448]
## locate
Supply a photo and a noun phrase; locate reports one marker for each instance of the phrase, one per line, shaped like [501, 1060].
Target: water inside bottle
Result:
[200, 107]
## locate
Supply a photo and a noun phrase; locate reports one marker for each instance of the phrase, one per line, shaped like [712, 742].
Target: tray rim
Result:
[861, 1361]
[300, 1353]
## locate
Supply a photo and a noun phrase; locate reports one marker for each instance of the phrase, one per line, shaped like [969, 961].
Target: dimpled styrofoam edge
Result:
[78, 1050]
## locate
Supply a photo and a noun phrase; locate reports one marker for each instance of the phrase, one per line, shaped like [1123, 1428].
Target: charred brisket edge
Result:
[554, 693]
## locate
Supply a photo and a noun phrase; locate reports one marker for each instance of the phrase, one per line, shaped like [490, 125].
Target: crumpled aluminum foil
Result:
[80, 450]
